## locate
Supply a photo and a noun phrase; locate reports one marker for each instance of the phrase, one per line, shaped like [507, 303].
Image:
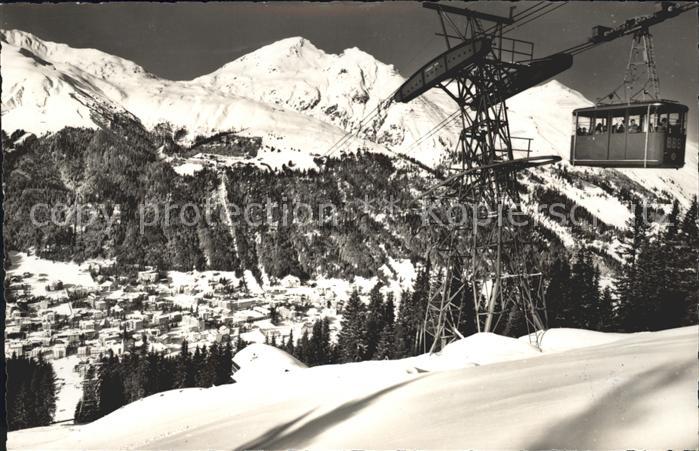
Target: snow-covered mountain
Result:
[299, 100]
[290, 93]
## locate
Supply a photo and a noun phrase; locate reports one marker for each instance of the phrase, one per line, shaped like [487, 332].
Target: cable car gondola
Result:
[648, 134]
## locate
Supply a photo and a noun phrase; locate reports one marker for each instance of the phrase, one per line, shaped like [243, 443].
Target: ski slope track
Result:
[584, 390]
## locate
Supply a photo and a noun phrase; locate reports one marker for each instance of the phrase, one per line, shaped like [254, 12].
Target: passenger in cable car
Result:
[599, 128]
[619, 128]
[633, 127]
[584, 131]
[662, 128]
[676, 128]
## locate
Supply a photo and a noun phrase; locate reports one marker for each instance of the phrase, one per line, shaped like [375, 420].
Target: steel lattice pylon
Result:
[641, 59]
[485, 265]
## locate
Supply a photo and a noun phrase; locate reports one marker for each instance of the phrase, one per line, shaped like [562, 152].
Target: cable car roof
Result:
[637, 107]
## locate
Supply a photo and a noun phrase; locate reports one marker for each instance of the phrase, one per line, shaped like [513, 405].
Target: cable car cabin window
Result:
[601, 125]
[635, 123]
[619, 123]
[675, 125]
[635, 135]
[584, 126]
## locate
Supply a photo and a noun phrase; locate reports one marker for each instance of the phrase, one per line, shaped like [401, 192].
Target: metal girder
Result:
[469, 13]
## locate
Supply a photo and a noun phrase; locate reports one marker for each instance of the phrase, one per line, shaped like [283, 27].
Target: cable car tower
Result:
[483, 259]
[641, 59]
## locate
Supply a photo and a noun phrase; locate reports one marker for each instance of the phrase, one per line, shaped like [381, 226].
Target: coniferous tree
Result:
[658, 285]
[389, 310]
[405, 327]
[374, 320]
[183, 368]
[302, 348]
[386, 347]
[638, 226]
[628, 284]
[226, 367]
[466, 321]
[558, 297]
[352, 344]
[111, 387]
[607, 321]
[411, 315]
[30, 392]
[689, 226]
[290, 345]
[87, 409]
[673, 221]
[584, 282]
[663, 290]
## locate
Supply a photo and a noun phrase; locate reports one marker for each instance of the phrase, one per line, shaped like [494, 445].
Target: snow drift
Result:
[257, 361]
[634, 391]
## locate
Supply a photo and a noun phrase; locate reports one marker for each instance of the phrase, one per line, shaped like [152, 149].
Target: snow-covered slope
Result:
[621, 391]
[290, 93]
[258, 361]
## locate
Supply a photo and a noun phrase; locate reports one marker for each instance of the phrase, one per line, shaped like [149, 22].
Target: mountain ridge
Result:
[298, 99]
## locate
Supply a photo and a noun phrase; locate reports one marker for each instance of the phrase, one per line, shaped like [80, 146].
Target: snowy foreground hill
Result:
[584, 390]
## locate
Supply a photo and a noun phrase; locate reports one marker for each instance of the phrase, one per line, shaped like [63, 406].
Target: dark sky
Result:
[183, 40]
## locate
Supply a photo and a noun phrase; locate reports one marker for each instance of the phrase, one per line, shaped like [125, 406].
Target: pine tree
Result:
[183, 371]
[225, 369]
[351, 341]
[374, 320]
[607, 321]
[207, 376]
[386, 347]
[639, 233]
[30, 392]
[290, 346]
[663, 293]
[466, 321]
[689, 227]
[404, 329]
[326, 346]
[111, 387]
[421, 297]
[584, 282]
[302, 348]
[411, 315]
[21, 413]
[315, 345]
[87, 409]
[558, 298]
[673, 221]
[389, 310]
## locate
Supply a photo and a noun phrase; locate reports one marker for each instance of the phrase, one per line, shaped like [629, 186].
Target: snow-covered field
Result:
[70, 387]
[44, 271]
[585, 390]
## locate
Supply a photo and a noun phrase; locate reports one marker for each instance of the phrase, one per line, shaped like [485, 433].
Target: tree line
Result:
[30, 392]
[115, 382]
[656, 288]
